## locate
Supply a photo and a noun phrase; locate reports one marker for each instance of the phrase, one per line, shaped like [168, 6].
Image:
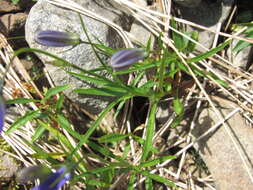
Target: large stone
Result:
[242, 59]
[219, 152]
[206, 14]
[188, 3]
[45, 16]
[8, 166]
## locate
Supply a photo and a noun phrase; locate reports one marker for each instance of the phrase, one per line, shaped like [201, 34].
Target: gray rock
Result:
[218, 151]
[242, 59]
[209, 15]
[188, 3]
[8, 166]
[141, 34]
[46, 16]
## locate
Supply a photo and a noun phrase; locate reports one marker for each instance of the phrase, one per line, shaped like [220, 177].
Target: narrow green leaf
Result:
[242, 44]
[21, 101]
[155, 161]
[199, 72]
[64, 123]
[177, 120]
[191, 45]
[209, 53]
[148, 184]
[221, 82]
[119, 108]
[54, 155]
[57, 134]
[178, 106]
[142, 142]
[23, 120]
[138, 78]
[101, 91]
[38, 133]
[105, 49]
[149, 132]
[94, 182]
[132, 180]
[94, 80]
[158, 178]
[59, 63]
[56, 90]
[93, 127]
[89, 40]
[15, 1]
[127, 149]
[148, 46]
[149, 84]
[41, 153]
[113, 137]
[106, 152]
[59, 103]
[180, 42]
[108, 176]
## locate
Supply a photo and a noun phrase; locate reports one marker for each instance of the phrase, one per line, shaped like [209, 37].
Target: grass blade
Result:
[155, 161]
[64, 123]
[131, 181]
[95, 80]
[21, 101]
[101, 91]
[209, 53]
[93, 127]
[158, 178]
[149, 184]
[150, 132]
[38, 133]
[113, 137]
[23, 120]
[56, 90]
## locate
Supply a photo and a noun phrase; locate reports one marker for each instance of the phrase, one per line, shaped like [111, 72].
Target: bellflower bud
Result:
[32, 173]
[49, 180]
[125, 58]
[2, 114]
[54, 38]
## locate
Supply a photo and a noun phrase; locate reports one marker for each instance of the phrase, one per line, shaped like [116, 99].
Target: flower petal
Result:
[2, 114]
[127, 57]
[55, 181]
[56, 38]
[33, 172]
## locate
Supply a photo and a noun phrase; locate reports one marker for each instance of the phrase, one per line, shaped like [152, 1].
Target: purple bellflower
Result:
[126, 57]
[54, 181]
[2, 114]
[49, 180]
[54, 38]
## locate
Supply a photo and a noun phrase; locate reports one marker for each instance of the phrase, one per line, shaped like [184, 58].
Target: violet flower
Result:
[2, 114]
[54, 181]
[49, 180]
[125, 58]
[54, 38]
